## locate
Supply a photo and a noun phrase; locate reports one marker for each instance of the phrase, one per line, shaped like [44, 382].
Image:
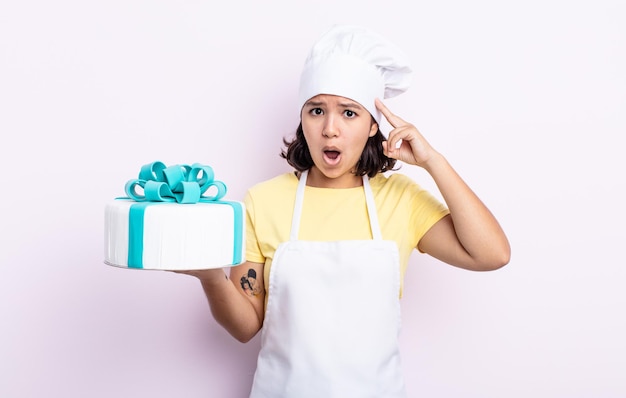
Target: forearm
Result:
[476, 229]
[471, 237]
[230, 308]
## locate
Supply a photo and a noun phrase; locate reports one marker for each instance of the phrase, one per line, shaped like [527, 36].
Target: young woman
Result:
[328, 245]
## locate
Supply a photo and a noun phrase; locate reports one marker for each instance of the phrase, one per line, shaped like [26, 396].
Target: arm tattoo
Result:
[249, 283]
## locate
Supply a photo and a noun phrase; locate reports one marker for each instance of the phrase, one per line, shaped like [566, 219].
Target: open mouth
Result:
[331, 154]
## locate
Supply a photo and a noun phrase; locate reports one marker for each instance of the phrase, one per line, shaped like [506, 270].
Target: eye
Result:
[316, 111]
[349, 113]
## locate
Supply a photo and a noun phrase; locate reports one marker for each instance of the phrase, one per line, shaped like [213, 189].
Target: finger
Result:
[390, 151]
[385, 151]
[394, 120]
[398, 134]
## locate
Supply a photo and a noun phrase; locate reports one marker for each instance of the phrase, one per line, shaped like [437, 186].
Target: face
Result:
[336, 130]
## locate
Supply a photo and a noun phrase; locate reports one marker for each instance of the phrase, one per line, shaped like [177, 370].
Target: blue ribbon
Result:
[180, 184]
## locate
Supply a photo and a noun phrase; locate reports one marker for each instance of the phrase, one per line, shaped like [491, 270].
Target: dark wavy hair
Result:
[371, 162]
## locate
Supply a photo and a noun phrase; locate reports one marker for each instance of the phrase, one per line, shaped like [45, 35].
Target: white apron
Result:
[333, 317]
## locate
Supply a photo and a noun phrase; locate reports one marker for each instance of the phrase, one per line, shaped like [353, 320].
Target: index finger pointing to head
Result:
[394, 120]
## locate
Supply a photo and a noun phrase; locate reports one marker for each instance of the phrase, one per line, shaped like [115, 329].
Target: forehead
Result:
[336, 100]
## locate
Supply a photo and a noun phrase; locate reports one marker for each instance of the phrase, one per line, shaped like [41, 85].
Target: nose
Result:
[331, 129]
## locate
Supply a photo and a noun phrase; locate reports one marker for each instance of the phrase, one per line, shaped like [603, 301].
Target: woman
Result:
[327, 246]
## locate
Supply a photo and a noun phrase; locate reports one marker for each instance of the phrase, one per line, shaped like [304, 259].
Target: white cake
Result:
[168, 235]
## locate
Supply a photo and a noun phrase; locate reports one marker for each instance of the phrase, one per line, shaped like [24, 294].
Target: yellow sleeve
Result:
[417, 208]
[425, 213]
[253, 251]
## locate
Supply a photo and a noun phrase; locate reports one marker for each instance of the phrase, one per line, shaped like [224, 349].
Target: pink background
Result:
[527, 102]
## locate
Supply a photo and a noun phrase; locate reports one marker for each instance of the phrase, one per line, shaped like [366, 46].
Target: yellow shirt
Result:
[405, 213]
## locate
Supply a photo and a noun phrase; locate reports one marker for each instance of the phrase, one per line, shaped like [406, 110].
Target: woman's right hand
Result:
[238, 304]
[206, 275]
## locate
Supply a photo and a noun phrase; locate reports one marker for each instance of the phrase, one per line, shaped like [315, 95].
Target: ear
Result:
[373, 129]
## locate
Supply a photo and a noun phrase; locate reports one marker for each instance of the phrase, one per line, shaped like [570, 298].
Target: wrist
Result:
[435, 162]
[211, 277]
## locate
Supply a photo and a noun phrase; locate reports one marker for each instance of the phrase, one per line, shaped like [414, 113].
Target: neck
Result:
[317, 179]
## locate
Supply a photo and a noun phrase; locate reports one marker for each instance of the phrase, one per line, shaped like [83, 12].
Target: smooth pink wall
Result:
[526, 101]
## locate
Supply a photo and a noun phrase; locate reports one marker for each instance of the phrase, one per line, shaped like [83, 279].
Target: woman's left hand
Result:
[414, 148]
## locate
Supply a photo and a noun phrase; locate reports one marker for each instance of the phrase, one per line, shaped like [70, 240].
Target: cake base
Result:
[172, 236]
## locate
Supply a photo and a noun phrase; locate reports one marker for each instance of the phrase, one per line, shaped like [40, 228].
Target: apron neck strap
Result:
[371, 209]
[297, 209]
[369, 200]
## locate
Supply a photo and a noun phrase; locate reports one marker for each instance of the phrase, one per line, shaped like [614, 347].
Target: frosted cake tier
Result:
[174, 236]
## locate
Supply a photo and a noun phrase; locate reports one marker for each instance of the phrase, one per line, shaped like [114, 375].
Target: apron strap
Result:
[371, 209]
[369, 200]
[297, 209]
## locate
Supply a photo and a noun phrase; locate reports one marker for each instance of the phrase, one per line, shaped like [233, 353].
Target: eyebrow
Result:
[341, 104]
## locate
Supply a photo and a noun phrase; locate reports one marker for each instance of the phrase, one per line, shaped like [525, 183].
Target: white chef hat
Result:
[356, 63]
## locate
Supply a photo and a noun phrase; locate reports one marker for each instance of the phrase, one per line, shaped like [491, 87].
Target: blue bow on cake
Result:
[179, 183]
